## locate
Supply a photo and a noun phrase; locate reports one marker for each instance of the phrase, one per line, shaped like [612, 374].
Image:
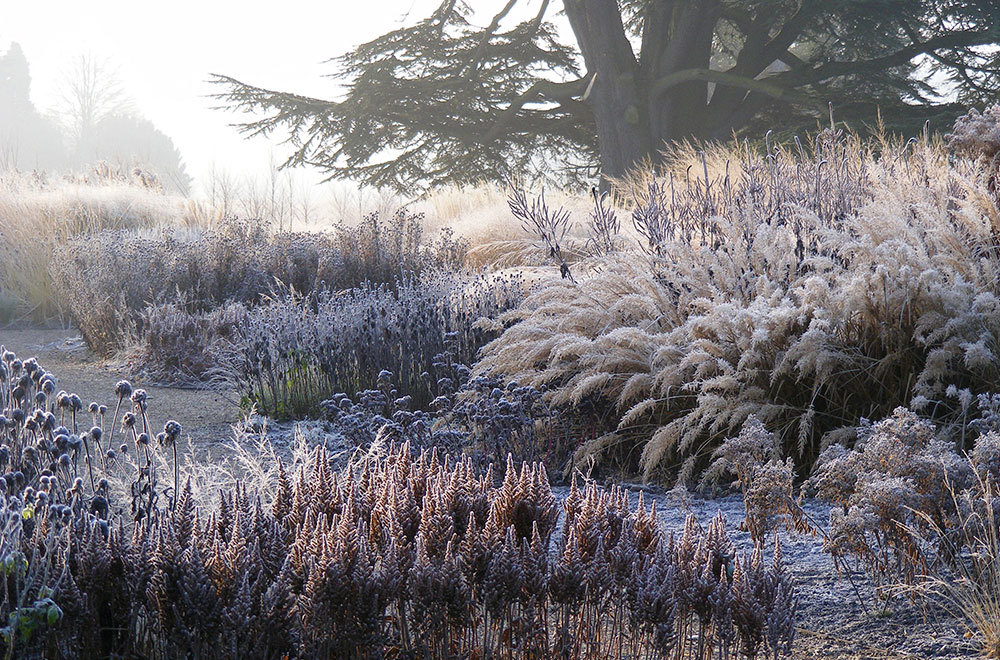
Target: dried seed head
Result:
[123, 389]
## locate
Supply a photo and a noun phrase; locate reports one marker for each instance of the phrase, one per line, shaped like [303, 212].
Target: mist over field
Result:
[577, 329]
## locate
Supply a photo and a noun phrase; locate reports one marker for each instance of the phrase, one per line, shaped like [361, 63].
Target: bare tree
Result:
[91, 92]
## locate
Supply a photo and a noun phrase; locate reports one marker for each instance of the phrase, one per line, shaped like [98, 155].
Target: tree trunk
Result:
[622, 123]
[633, 124]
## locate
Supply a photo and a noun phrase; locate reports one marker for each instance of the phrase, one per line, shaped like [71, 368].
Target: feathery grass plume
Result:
[809, 287]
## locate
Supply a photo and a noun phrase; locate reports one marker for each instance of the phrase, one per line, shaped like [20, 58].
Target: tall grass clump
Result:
[299, 351]
[37, 215]
[809, 286]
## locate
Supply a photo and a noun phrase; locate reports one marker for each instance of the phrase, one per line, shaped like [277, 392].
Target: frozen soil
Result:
[833, 622]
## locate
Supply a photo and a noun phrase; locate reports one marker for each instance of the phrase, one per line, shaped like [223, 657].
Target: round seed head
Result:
[123, 389]
[172, 429]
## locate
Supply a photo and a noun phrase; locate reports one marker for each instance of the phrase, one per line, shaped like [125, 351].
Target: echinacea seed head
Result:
[128, 421]
[143, 439]
[172, 429]
[102, 410]
[64, 461]
[75, 403]
[93, 407]
[96, 433]
[139, 397]
[123, 389]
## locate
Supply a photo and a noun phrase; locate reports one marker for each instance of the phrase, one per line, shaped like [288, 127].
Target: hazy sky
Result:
[164, 52]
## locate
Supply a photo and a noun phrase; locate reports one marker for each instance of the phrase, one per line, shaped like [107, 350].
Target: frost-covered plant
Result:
[180, 346]
[409, 554]
[977, 134]
[108, 281]
[906, 506]
[767, 481]
[809, 286]
[382, 250]
[480, 418]
[297, 352]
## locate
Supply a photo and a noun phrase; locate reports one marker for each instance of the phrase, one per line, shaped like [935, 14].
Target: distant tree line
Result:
[94, 122]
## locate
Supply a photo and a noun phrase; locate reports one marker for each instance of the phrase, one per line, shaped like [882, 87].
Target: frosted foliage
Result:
[808, 304]
[977, 133]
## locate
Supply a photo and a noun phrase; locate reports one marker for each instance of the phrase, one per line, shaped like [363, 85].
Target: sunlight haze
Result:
[165, 54]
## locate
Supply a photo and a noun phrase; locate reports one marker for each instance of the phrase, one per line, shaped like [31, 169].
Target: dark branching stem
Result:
[550, 226]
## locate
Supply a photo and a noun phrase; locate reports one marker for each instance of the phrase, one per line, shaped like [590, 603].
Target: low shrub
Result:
[299, 351]
[107, 281]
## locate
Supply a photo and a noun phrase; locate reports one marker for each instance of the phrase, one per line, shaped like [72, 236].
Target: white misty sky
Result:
[164, 53]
